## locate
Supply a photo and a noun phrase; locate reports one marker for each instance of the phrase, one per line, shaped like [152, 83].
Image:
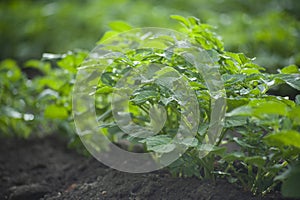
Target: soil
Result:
[44, 168]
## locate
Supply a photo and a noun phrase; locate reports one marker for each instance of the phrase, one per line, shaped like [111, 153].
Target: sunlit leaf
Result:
[181, 19]
[284, 138]
[56, 112]
[271, 107]
[291, 69]
[119, 26]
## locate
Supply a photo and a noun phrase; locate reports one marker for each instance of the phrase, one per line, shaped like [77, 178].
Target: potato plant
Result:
[260, 143]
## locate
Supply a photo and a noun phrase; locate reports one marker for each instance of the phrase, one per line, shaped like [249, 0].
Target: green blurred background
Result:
[268, 30]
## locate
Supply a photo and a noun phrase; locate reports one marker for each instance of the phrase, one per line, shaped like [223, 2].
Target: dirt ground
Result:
[46, 169]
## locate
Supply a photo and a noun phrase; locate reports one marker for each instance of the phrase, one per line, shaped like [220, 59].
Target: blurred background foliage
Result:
[268, 30]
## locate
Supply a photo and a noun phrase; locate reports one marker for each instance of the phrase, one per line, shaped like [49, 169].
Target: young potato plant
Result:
[262, 128]
[260, 139]
[259, 145]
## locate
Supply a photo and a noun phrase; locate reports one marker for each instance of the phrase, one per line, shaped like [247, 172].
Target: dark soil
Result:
[45, 169]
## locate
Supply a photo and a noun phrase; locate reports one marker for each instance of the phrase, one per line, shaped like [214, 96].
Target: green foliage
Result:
[268, 30]
[20, 106]
[58, 26]
[263, 128]
[40, 105]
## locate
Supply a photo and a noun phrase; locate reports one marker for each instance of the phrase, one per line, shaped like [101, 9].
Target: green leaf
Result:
[243, 58]
[242, 143]
[231, 79]
[239, 57]
[36, 64]
[258, 161]
[181, 19]
[294, 115]
[71, 61]
[189, 142]
[220, 151]
[254, 66]
[270, 107]
[48, 93]
[107, 35]
[242, 111]
[233, 103]
[193, 20]
[230, 157]
[234, 121]
[283, 138]
[159, 144]
[164, 148]
[249, 71]
[143, 96]
[291, 69]
[167, 76]
[202, 129]
[104, 90]
[292, 80]
[119, 26]
[56, 112]
[52, 82]
[12, 71]
[230, 66]
[107, 78]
